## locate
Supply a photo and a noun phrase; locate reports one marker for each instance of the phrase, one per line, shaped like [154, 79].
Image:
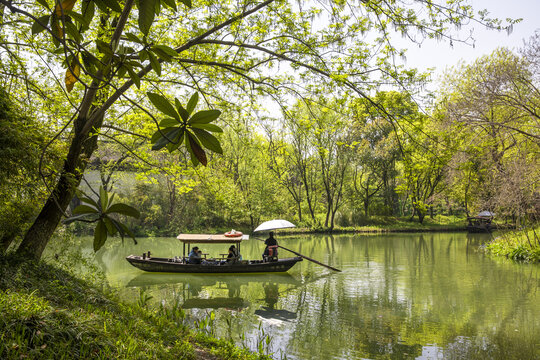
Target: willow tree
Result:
[229, 51]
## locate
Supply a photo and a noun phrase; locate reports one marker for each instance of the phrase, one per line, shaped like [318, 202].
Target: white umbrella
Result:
[274, 224]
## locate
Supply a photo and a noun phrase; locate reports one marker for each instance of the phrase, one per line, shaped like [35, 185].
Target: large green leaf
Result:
[103, 198]
[192, 103]
[186, 2]
[208, 127]
[183, 112]
[124, 210]
[111, 229]
[88, 10]
[85, 209]
[89, 201]
[37, 27]
[100, 235]
[154, 62]
[134, 76]
[179, 139]
[163, 141]
[168, 122]
[79, 217]
[147, 12]
[204, 116]
[127, 231]
[164, 52]
[159, 134]
[208, 140]
[171, 4]
[163, 105]
[196, 149]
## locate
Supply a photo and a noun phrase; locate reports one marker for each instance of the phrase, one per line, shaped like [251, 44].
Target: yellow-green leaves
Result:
[181, 124]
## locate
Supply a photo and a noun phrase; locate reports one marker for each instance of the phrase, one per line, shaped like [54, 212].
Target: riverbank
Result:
[522, 245]
[48, 312]
[390, 224]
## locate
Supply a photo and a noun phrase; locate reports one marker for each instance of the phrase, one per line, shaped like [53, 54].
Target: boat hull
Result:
[169, 266]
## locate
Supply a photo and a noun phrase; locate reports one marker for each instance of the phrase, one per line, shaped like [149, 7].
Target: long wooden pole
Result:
[307, 258]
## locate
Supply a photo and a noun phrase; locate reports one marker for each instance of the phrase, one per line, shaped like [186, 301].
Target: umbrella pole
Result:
[307, 258]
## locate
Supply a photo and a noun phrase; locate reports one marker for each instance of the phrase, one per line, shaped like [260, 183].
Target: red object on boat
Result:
[233, 234]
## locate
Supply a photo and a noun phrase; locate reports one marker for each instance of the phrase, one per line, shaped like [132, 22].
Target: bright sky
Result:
[440, 55]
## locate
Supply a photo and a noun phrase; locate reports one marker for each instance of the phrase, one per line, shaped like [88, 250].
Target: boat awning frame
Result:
[210, 239]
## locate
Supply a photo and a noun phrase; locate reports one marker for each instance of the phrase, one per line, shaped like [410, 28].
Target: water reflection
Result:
[271, 298]
[403, 296]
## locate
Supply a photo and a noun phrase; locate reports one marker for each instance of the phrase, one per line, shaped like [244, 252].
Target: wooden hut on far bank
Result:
[480, 223]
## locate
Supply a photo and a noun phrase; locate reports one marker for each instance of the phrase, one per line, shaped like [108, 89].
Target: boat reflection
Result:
[207, 291]
[204, 280]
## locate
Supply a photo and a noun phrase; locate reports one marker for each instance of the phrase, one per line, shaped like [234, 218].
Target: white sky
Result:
[440, 55]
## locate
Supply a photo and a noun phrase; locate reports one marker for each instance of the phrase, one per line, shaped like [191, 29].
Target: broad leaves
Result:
[100, 211]
[182, 127]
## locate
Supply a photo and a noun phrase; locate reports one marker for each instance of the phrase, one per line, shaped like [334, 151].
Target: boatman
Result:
[270, 252]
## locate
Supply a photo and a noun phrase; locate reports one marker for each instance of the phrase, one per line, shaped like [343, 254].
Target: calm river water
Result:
[400, 296]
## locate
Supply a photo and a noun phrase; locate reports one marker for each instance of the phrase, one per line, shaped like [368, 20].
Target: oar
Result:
[307, 258]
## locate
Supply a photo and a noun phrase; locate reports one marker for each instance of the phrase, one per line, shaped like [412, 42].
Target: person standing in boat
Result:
[271, 247]
[195, 256]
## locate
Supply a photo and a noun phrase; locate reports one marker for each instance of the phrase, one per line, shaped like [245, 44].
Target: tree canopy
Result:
[127, 64]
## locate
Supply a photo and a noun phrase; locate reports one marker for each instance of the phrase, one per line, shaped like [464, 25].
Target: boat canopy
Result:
[210, 239]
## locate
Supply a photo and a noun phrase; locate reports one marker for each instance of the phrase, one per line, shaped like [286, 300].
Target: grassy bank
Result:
[382, 224]
[48, 313]
[521, 245]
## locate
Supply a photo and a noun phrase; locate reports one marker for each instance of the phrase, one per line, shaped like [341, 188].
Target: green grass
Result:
[393, 224]
[48, 313]
[522, 245]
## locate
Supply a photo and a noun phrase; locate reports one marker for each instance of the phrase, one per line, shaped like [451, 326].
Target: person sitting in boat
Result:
[195, 256]
[233, 255]
[270, 252]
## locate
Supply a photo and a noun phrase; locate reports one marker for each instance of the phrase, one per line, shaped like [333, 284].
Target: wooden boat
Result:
[219, 266]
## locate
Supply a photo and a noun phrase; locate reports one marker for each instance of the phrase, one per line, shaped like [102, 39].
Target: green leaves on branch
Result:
[181, 126]
[100, 211]
[67, 27]
[148, 9]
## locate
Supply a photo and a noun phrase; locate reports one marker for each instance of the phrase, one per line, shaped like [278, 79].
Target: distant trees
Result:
[493, 106]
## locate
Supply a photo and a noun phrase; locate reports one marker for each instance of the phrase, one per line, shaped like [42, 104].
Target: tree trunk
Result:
[421, 216]
[38, 235]
[366, 206]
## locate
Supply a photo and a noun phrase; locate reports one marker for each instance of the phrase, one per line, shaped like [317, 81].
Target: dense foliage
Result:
[280, 100]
